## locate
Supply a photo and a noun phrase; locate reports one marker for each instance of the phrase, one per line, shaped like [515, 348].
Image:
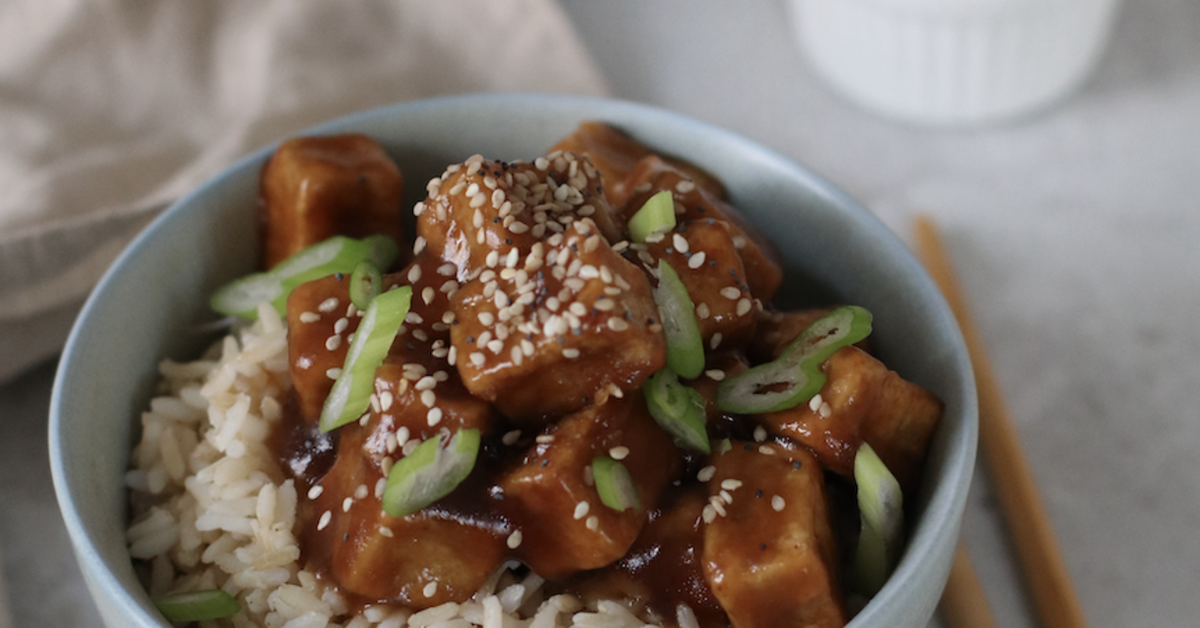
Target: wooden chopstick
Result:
[963, 602]
[1046, 577]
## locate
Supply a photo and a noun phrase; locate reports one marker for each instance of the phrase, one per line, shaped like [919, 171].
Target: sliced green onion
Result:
[685, 345]
[881, 505]
[365, 283]
[678, 409]
[197, 605]
[656, 214]
[430, 472]
[351, 392]
[615, 484]
[338, 254]
[796, 375]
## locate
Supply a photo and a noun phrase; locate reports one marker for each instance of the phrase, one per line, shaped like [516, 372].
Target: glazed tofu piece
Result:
[422, 560]
[317, 187]
[702, 253]
[416, 397]
[551, 498]
[663, 569]
[863, 401]
[320, 320]
[769, 551]
[569, 325]
[482, 211]
[614, 154]
[695, 202]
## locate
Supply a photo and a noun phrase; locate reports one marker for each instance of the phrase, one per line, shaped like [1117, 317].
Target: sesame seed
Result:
[428, 398]
[685, 186]
[696, 260]
[581, 510]
[386, 531]
[708, 513]
[619, 452]
[617, 323]
[510, 438]
[309, 317]
[414, 274]
[702, 311]
[434, 417]
[766, 450]
[570, 354]
[715, 374]
[717, 504]
[731, 484]
[328, 305]
[593, 523]
[333, 342]
[680, 242]
[715, 341]
[777, 503]
[347, 503]
[826, 410]
[428, 294]
[814, 404]
[430, 589]
[731, 292]
[447, 270]
[333, 373]
[706, 473]
[514, 540]
[743, 306]
[426, 383]
[496, 346]
[544, 439]
[385, 401]
[325, 519]
[725, 496]
[477, 358]
[419, 244]
[472, 189]
[315, 491]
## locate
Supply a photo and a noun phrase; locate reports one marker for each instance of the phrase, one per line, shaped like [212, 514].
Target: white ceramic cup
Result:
[953, 62]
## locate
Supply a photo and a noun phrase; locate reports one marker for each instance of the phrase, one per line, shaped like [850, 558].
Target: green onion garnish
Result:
[365, 283]
[656, 214]
[796, 375]
[351, 392]
[430, 472]
[678, 409]
[615, 484]
[685, 345]
[881, 504]
[197, 605]
[338, 254]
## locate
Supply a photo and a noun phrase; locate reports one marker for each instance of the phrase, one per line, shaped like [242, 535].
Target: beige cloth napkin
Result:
[111, 108]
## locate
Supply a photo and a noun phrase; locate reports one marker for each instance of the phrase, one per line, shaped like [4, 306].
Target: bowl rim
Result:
[960, 450]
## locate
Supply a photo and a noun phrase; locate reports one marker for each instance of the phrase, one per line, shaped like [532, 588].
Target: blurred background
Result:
[1073, 228]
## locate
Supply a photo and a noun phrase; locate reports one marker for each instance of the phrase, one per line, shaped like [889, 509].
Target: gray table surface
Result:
[1074, 234]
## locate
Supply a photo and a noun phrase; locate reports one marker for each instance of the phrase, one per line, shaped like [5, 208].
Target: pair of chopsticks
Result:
[1047, 581]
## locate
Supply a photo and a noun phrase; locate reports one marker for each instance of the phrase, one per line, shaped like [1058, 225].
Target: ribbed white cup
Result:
[954, 62]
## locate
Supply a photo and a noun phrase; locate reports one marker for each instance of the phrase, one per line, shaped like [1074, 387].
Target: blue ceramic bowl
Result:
[833, 248]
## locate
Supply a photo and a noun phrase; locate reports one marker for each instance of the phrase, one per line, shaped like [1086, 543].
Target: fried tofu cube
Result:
[317, 339]
[614, 154]
[693, 201]
[565, 327]
[416, 397]
[551, 497]
[769, 552]
[664, 567]
[425, 559]
[702, 253]
[479, 212]
[314, 188]
[863, 401]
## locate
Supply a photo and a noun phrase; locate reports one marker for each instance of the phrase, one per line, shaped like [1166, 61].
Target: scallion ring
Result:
[685, 345]
[430, 472]
[656, 214]
[197, 605]
[615, 484]
[678, 409]
[796, 375]
[351, 392]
